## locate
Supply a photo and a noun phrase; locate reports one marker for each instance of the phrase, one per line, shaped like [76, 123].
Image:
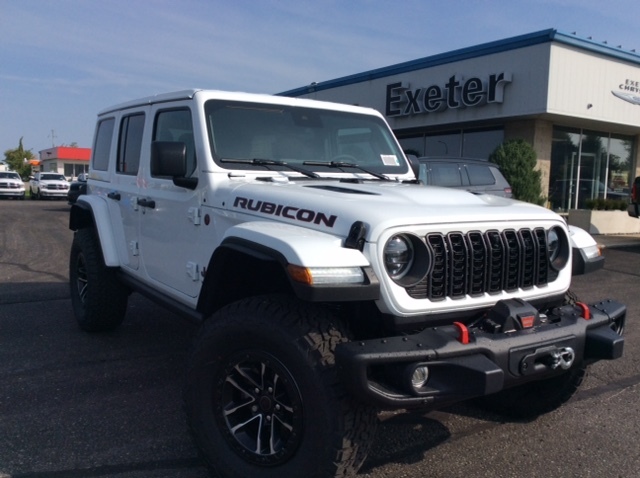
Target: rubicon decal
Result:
[289, 212]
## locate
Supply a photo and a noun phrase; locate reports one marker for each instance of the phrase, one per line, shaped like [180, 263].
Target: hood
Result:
[333, 206]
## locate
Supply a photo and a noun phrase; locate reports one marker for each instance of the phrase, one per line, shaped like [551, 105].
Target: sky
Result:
[62, 61]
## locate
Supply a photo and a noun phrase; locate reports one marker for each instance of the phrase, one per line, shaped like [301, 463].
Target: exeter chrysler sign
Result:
[401, 100]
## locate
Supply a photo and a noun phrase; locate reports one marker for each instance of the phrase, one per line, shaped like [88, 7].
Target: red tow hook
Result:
[463, 338]
[586, 313]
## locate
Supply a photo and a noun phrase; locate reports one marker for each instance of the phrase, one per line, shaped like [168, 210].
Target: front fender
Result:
[93, 211]
[299, 246]
[586, 254]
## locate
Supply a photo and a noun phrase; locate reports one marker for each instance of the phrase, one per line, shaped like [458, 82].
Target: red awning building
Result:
[68, 160]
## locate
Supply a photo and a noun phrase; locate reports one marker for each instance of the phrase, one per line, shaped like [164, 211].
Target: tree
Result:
[15, 158]
[517, 161]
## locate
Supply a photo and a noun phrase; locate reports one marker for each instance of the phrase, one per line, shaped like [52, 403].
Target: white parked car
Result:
[329, 283]
[48, 185]
[11, 185]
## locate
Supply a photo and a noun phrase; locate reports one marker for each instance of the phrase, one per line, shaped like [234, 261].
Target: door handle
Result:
[114, 195]
[150, 203]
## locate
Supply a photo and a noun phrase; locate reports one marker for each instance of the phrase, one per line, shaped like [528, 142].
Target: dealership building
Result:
[575, 100]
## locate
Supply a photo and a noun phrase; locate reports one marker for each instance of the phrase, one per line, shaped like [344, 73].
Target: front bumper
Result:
[13, 193]
[465, 362]
[57, 193]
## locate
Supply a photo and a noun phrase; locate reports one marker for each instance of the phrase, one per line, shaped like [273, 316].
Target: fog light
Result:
[420, 376]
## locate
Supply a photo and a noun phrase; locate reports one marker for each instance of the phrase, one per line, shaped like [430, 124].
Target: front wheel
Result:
[99, 300]
[263, 396]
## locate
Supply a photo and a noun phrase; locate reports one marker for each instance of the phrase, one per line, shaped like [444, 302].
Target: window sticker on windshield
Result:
[389, 159]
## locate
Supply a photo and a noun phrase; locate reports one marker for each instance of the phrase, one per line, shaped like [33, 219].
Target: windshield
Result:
[4, 175]
[49, 177]
[300, 136]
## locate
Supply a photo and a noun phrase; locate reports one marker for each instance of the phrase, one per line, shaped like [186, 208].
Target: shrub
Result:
[517, 161]
[602, 204]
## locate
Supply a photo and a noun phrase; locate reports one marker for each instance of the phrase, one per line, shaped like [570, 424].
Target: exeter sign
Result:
[401, 100]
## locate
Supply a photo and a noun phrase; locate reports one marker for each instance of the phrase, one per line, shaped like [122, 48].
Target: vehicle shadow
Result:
[404, 437]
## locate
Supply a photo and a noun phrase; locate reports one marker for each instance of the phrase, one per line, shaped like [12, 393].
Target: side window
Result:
[175, 125]
[130, 143]
[480, 175]
[445, 174]
[102, 146]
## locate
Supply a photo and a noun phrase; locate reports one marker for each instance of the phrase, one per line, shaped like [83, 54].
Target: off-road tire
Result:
[99, 300]
[318, 430]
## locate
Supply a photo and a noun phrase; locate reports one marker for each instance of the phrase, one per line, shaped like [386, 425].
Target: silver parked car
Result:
[474, 175]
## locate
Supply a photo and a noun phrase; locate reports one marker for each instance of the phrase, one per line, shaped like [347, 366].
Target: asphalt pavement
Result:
[77, 405]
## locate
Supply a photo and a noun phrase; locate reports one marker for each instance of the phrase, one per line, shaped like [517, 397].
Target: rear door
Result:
[132, 134]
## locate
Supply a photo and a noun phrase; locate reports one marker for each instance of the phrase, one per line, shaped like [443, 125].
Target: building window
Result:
[587, 166]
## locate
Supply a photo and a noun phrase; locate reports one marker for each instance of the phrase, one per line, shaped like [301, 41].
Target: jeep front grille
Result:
[477, 262]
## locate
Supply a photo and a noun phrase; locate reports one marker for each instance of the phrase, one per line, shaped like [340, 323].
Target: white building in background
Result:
[577, 101]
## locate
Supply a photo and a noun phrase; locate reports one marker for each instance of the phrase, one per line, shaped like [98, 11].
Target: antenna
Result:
[53, 138]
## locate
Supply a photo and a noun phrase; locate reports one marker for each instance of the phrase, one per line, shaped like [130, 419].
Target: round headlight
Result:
[398, 256]
[558, 248]
[406, 259]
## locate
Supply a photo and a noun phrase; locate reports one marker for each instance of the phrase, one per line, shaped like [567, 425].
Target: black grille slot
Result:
[437, 287]
[476, 263]
[458, 257]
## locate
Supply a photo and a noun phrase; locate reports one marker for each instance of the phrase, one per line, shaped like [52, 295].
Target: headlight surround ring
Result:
[559, 249]
[406, 259]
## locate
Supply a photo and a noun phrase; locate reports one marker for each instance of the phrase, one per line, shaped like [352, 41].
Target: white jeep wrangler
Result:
[330, 284]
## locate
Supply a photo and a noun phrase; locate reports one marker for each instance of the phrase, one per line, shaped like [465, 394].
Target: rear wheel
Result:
[99, 300]
[263, 396]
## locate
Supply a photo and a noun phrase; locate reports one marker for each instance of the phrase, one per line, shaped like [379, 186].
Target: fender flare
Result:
[284, 244]
[297, 245]
[586, 254]
[93, 211]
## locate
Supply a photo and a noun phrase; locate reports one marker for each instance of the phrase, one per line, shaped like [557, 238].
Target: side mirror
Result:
[168, 158]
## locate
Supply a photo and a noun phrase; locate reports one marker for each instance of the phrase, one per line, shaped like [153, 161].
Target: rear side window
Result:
[445, 174]
[130, 143]
[480, 175]
[102, 146]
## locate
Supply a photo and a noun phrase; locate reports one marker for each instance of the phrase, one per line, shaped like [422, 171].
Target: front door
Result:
[170, 226]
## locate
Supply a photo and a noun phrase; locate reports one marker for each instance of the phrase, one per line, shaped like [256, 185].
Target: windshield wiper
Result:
[343, 164]
[273, 162]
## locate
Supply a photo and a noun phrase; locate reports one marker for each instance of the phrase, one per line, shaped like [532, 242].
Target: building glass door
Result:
[589, 167]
